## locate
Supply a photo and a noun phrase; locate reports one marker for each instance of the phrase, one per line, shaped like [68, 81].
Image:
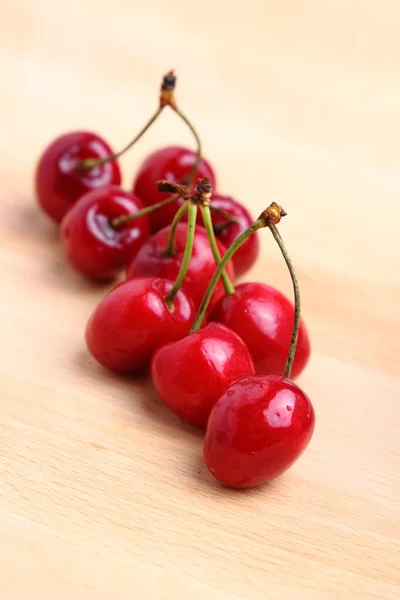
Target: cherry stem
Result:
[170, 249]
[296, 290]
[188, 180]
[90, 163]
[167, 98]
[119, 221]
[169, 298]
[205, 213]
[218, 272]
[218, 211]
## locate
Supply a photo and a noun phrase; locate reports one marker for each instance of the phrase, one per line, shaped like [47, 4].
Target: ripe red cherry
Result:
[93, 246]
[152, 261]
[191, 374]
[257, 430]
[263, 317]
[133, 320]
[173, 163]
[246, 255]
[59, 182]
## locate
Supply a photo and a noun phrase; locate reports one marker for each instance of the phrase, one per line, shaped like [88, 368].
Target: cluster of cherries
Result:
[220, 356]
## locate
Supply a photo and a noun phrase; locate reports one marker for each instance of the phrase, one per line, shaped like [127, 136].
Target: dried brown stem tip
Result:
[167, 90]
[173, 188]
[169, 81]
[273, 214]
[202, 192]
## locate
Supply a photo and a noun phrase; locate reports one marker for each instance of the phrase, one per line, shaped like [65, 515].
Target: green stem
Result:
[296, 290]
[205, 213]
[217, 273]
[119, 221]
[189, 179]
[90, 163]
[218, 211]
[219, 227]
[170, 249]
[169, 298]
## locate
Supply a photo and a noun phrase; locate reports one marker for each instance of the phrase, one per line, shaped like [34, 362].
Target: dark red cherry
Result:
[133, 320]
[59, 181]
[173, 163]
[263, 317]
[257, 430]
[227, 232]
[192, 373]
[92, 245]
[152, 261]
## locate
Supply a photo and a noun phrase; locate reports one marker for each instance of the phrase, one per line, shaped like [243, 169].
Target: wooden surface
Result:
[103, 492]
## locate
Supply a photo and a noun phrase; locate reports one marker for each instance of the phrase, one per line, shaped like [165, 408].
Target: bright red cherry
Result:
[227, 232]
[173, 163]
[93, 245]
[257, 430]
[58, 179]
[151, 260]
[133, 320]
[263, 317]
[192, 373]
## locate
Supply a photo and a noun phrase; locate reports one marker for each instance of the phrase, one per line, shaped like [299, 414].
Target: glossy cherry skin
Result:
[192, 373]
[133, 320]
[92, 245]
[152, 261]
[245, 257]
[173, 163]
[257, 430]
[58, 180]
[263, 317]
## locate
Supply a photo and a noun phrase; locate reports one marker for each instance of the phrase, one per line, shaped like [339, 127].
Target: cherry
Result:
[263, 317]
[133, 320]
[172, 163]
[151, 260]
[257, 430]
[93, 245]
[191, 374]
[59, 180]
[227, 232]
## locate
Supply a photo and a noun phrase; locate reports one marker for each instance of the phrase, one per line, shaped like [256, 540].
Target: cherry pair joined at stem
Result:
[80, 162]
[261, 423]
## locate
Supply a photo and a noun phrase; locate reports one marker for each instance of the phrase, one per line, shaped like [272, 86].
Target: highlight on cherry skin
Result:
[192, 373]
[152, 260]
[263, 317]
[92, 245]
[172, 163]
[133, 320]
[227, 232]
[59, 180]
[258, 428]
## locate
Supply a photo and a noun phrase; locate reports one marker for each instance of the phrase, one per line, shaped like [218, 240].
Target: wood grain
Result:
[103, 493]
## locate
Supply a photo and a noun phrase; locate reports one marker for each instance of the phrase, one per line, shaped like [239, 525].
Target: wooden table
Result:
[103, 492]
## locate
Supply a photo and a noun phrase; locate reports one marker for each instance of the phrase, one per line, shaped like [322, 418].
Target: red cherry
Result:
[152, 261]
[93, 246]
[133, 320]
[257, 430]
[246, 255]
[59, 182]
[173, 163]
[192, 373]
[263, 317]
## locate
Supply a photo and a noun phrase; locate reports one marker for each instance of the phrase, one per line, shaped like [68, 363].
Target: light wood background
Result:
[103, 493]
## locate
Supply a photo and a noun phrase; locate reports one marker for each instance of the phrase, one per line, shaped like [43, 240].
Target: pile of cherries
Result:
[220, 356]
